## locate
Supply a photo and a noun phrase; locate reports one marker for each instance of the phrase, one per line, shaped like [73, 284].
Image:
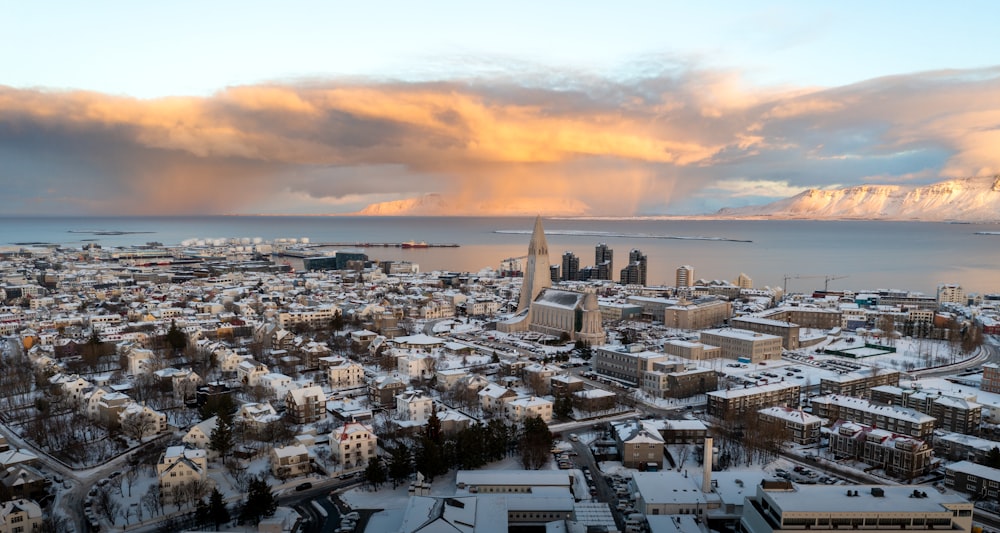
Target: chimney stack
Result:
[706, 464]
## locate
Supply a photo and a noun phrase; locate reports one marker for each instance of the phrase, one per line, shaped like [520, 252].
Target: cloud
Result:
[564, 141]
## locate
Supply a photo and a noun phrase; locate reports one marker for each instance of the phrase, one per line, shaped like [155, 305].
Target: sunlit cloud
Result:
[563, 143]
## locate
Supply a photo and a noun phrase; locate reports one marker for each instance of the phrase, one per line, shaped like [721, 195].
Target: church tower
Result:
[536, 273]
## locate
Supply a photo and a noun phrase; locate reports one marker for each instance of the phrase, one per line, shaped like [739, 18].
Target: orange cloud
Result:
[603, 148]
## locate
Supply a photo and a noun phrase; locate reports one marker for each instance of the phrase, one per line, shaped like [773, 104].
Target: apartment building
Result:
[958, 413]
[799, 426]
[899, 456]
[858, 383]
[900, 420]
[727, 404]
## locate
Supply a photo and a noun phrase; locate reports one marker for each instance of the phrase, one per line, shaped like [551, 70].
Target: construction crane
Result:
[826, 280]
[511, 265]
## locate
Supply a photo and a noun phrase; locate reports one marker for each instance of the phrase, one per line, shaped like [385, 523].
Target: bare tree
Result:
[151, 500]
[105, 503]
[138, 424]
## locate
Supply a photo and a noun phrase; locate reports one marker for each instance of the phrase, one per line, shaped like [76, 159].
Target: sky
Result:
[558, 108]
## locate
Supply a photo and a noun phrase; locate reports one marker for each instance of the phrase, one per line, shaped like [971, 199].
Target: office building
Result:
[604, 261]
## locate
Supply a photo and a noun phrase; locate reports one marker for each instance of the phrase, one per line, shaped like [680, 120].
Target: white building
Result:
[414, 406]
[352, 445]
[290, 461]
[783, 506]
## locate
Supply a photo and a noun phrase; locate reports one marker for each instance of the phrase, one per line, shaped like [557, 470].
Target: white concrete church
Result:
[552, 311]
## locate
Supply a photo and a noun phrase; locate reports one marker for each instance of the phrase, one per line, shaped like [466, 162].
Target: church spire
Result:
[536, 274]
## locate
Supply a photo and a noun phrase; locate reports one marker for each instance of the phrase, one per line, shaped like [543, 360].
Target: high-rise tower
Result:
[570, 267]
[604, 260]
[536, 272]
[685, 276]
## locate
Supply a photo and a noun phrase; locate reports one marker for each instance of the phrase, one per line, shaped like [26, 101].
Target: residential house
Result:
[20, 516]
[179, 466]
[306, 405]
[352, 445]
[290, 461]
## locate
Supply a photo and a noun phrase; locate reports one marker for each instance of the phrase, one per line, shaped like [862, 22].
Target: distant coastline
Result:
[584, 233]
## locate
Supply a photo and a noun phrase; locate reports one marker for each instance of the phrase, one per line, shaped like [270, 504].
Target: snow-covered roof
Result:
[850, 402]
[748, 391]
[975, 469]
[834, 499]
[793, 415]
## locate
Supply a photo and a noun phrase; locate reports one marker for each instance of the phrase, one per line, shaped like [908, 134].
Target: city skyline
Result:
[325, 109]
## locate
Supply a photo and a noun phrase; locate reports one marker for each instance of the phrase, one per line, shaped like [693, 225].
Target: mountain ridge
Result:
[961, 199]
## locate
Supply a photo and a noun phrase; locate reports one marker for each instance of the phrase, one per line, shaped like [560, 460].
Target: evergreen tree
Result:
[498, 439]
[563, 406]
[201, 513]
[260, 501]
[433, 428]
[218, 514]
[993, 458]
[470, 447]
[222, 439]
[375, 472]
[176, 338]
[399, 464]
[535, 443]
[429, 458]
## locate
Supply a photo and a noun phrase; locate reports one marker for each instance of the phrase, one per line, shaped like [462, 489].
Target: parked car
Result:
[304, 486]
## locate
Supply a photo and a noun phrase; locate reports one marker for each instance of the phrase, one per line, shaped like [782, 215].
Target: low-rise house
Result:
[20, 516]
[520, 409]
[345, 374]
[640, 445]
[683, 431]
[256, 417]
[414, 406]
[290, 461]
[24, 481]
[493, 397]
[352, 445]
[978, 481]
[200, 436]
[180, 469]
[141, 420]
[383, 389]
[306, 405]
[594, 400]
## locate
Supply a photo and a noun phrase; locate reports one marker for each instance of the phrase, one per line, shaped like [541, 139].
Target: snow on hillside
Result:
[965, 199]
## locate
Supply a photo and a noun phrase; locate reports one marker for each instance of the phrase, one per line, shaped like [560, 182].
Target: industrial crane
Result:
[826, 280]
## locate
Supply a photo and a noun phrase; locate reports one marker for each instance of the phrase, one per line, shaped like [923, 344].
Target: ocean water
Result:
[901, 255]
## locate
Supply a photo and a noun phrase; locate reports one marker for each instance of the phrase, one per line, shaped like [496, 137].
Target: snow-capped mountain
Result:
[964, 199]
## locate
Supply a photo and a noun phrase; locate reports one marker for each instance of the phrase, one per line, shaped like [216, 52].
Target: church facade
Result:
[551, 311]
